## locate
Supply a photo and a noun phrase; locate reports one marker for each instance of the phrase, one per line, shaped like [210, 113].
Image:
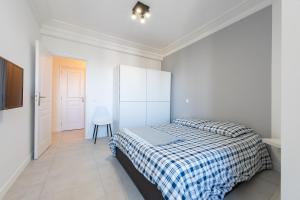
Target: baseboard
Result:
[4, 188]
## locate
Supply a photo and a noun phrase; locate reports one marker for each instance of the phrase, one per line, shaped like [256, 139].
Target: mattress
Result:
[204, 165]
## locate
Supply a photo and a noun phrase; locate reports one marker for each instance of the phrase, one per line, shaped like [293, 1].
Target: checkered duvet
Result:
[205, 165]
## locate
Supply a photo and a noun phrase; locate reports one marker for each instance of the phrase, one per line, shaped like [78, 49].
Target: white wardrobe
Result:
[142, 97]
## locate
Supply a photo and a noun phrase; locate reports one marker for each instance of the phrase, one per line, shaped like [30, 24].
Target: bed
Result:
[204, 163]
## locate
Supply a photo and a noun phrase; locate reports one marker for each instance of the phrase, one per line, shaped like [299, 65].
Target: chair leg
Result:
[107, 133]
[94, 131]
[110, 130]
[96, 134]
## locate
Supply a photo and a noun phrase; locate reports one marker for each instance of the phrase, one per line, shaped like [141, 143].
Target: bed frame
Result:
[147, 189]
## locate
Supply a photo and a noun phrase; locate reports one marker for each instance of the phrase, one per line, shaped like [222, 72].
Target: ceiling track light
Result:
[141, 11]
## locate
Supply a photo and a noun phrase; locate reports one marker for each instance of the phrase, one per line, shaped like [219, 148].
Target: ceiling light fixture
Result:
[141, 11]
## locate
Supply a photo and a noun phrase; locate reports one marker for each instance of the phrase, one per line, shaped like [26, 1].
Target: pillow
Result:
[193, 123]
[230, 129]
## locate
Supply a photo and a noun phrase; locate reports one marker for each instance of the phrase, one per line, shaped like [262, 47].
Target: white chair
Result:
[101, 118]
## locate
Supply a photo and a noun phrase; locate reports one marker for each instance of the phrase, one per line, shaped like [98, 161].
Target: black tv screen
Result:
[11, 85]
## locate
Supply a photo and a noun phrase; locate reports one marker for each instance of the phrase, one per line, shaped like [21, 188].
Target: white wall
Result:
[17, 34]
[290, 98]
[99, 71]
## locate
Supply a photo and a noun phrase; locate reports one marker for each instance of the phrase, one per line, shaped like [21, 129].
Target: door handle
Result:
[39, 99]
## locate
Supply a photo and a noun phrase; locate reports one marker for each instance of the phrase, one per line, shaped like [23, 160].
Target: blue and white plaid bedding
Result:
[204, 166]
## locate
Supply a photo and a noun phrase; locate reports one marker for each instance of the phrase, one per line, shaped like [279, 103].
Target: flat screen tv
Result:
[11, 85]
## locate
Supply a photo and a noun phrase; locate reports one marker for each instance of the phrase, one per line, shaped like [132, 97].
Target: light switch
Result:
[187, 101]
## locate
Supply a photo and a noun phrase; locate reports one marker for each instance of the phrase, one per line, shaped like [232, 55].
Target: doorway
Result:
[59, 102]
[68, 94]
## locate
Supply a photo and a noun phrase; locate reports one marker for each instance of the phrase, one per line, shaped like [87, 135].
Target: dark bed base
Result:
[147, 189]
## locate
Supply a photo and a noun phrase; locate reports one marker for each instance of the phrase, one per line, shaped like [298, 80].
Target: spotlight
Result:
[133, 16]
[138, 10]
[147, 15]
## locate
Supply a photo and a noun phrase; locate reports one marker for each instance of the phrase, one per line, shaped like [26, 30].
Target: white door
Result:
[72, 84]
[158, 85]
[43, 96]
[132, 114]
[158, 113]
[132, 83]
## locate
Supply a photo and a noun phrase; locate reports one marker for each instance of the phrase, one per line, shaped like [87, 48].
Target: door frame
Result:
[37, 152]
[59, 92]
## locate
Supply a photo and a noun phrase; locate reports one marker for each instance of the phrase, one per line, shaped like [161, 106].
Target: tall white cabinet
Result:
[142, 97]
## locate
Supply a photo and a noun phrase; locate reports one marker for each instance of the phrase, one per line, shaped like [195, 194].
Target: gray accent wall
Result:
[227, 75]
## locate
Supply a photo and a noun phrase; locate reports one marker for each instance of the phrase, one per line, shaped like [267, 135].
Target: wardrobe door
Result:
[132, 114]
[132, 83]
[158, 113]
[158, 85]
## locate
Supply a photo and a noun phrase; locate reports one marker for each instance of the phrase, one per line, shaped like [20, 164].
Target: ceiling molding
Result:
[74, 33]
[59, 29]
[233, 15]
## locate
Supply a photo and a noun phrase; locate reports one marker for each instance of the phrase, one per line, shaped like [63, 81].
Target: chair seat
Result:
[101, 118]
[102, 121]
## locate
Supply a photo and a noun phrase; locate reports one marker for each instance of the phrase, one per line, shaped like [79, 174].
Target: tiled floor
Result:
[74, 168]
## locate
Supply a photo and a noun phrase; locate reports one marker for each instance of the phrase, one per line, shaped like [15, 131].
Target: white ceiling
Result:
[170, 20]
